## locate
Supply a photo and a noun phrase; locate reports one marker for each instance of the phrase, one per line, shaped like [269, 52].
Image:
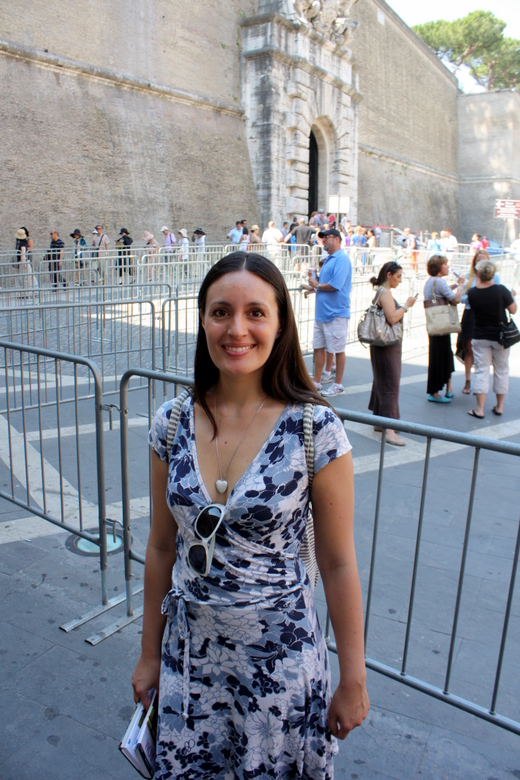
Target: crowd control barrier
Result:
[411, 607]
[116, 333]
[44, 452]
[412, 569]
[130, 554]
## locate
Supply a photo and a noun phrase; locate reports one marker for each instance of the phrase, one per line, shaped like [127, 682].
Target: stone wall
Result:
[294, 80]
[407, 125]
[149, 131]
[489, 161]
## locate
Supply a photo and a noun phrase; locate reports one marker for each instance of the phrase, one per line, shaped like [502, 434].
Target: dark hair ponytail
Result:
[285, 377]
[388, 268]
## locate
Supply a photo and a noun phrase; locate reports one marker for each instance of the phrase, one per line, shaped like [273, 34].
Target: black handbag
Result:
[509, 333]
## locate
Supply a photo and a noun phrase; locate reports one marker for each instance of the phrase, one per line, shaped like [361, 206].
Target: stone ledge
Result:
[124, 80]
[300, 62]
[373, 152]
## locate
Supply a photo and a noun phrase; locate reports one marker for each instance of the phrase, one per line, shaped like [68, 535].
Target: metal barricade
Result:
[407, 611]
[130, 554]
[46, 451]
[383, 586]
[117, 334]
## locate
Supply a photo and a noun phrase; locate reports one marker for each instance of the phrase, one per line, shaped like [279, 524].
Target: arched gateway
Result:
[300, 101]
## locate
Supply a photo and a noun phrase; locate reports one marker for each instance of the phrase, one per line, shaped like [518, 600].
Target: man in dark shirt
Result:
[303, 233]
[123, 243]
[55, 256]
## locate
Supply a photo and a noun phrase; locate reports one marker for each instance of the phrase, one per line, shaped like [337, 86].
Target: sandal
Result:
[495, 411]
[473, 413]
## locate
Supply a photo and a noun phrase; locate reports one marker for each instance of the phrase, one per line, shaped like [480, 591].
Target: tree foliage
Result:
[477, 41]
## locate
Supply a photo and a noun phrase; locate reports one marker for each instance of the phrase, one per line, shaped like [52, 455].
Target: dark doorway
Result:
[313, 174]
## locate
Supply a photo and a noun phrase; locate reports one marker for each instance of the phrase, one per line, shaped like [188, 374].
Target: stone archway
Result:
[319, 164]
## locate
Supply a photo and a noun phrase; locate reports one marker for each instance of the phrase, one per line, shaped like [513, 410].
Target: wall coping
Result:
[125, 80]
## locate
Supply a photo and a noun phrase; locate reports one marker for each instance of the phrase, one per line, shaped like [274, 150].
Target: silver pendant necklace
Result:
[221, 484]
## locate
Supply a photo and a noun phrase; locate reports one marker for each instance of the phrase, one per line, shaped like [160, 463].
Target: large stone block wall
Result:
[489, 161]
[76, 151]
[190, 45]
[407, 125]
[96, 143]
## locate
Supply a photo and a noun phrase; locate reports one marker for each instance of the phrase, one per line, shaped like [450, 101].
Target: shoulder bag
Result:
[374, 328]
[307, 549]
[509, 334]
[442, 317]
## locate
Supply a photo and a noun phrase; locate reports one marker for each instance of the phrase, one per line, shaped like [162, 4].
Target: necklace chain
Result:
[221, 484]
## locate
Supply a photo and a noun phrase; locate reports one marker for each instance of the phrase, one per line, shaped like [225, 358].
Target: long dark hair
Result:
[388, 268]
[285, 377]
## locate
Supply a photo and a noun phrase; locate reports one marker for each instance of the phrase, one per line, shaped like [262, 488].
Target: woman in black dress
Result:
[386, 361]
[440, 355]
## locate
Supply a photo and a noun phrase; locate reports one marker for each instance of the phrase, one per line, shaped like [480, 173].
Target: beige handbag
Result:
[442, 316]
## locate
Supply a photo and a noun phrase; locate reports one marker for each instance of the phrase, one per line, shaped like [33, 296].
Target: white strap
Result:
[308, 440]
[174, 420]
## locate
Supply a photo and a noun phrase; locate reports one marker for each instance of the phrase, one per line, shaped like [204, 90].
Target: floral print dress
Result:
[245, 678]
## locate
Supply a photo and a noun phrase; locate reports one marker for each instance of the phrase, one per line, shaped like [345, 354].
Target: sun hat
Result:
[20, 234]
[183, 232]
[147, 236]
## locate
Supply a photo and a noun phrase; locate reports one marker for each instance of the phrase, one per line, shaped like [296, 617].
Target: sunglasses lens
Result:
[207, 521]
[197, 558]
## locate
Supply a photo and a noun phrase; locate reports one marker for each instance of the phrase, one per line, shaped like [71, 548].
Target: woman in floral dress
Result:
[242, 668]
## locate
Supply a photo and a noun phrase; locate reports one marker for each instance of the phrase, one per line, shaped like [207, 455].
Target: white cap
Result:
[164, 228]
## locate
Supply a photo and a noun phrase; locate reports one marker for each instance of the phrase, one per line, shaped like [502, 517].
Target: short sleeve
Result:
[330, 439]
[442, 288]
[507, 298]
[159, 430]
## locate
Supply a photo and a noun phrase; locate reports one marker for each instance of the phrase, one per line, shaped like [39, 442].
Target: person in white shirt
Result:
[450, 242]
[199, 239]
[272, 235]
[183, 249]
[100, 242]
[169, 241]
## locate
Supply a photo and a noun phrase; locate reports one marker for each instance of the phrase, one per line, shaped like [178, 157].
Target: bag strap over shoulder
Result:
[174, 420]
[308, 440]
[375, 301]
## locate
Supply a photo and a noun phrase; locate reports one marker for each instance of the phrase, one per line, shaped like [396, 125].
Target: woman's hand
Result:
[348, 708]
[411, 300]
[145, 677]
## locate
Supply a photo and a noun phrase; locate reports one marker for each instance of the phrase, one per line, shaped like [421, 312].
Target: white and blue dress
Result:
[245, 678]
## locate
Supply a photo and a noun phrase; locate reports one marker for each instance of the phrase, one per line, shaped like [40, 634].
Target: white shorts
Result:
[331, 336]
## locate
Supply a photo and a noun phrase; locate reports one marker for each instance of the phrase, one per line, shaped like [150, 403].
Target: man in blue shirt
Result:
[332, 309]
[235, 234]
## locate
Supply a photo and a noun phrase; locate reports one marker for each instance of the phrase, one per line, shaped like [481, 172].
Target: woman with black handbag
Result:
[386, 361]
[489, 303]
[440, 356]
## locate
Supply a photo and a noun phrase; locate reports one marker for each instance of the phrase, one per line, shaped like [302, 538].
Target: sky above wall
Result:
[413, 12]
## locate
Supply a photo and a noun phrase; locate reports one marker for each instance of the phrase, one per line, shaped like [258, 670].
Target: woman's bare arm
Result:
[333, 509]
[387, 303]
[160, 557]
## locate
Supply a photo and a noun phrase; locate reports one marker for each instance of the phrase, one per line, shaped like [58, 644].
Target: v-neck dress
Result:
[245, 678]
